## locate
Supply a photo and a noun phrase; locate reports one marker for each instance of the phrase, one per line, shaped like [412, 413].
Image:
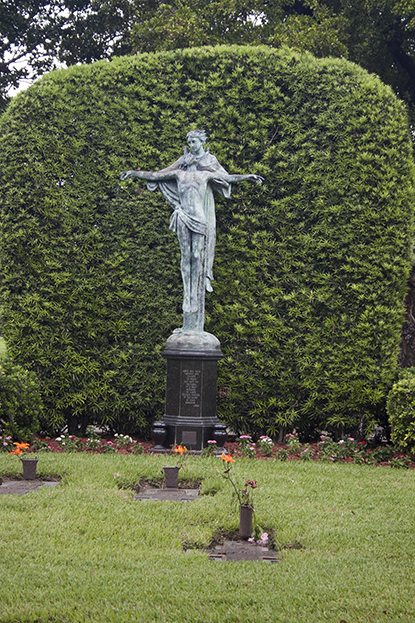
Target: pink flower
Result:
[263, 541]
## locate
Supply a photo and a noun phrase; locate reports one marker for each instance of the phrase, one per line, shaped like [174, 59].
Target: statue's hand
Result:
[257, 178]
[124, 175]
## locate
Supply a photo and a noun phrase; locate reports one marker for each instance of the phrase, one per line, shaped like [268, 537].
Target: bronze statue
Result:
[188, 185]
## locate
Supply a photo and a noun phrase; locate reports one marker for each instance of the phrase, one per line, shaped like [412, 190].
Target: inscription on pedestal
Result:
[191, 390]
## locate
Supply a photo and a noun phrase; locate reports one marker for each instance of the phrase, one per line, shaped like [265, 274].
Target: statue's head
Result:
[200, 134]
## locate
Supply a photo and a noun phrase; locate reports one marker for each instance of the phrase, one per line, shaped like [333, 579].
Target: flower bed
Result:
[346, 450]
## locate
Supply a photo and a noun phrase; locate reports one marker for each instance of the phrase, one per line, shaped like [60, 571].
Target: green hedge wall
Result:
[310, 268]
[21, 405]
[400, 405]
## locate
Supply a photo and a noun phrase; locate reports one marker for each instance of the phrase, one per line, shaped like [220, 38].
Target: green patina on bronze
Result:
[188, 185]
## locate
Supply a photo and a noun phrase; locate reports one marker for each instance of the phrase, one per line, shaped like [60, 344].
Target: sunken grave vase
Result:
[171, 477]
[159, 434]
[29, 468]
[245, 521]
[220, 435]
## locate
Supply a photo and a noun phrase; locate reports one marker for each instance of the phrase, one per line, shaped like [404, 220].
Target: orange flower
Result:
[21, 445]
[180, 449]
[228, 458]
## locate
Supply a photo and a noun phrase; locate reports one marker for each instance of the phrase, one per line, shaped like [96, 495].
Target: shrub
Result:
[310, 269]
[21, 405]
[293, 443]
[265, 445]
[282, 454]
[306, 454]
[401, 410]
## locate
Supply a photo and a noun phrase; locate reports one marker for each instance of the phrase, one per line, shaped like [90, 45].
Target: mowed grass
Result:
[87, 551]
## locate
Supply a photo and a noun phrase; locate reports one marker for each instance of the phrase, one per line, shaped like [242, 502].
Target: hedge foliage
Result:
[401, 410]
[310, 268]
[21, 403]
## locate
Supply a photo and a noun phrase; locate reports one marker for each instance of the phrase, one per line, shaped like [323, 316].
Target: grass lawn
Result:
[87, 551]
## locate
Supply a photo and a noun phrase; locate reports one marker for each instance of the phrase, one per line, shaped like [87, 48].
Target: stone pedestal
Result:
[190, 412]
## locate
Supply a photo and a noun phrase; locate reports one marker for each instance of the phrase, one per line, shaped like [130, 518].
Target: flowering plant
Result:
[307, 454]
[210, 449]
[40, 444]
[265, 445]
[6, 443]
[107, 447]
[329, 450]
[293, 442]
[244, 495]
[247, 446]
[70, 443]
[181, 452]
[123, 441]
[21, 448]
[262, 540]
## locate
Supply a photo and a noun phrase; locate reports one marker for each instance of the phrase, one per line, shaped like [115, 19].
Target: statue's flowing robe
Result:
[207, 162]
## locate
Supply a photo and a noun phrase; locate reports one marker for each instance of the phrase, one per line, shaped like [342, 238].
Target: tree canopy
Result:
[378, 35]
[36, 36]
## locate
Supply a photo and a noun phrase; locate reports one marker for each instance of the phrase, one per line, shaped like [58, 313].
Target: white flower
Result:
[58, 439]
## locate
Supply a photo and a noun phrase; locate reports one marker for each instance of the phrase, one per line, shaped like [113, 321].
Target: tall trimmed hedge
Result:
[20, 402]
[310, 268]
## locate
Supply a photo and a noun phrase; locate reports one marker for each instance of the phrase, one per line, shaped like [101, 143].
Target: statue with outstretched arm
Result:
[190, 222]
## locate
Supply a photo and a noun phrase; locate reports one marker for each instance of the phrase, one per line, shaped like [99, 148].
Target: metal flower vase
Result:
[29, 468]
[171, 477]
[245, 521]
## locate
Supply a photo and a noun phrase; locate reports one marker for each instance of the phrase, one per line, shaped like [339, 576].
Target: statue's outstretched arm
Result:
[150, 176]
[251, 177]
